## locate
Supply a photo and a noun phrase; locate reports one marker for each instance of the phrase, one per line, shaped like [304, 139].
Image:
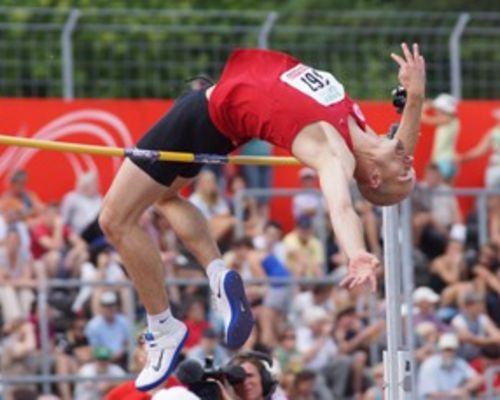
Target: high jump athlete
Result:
[271, 96]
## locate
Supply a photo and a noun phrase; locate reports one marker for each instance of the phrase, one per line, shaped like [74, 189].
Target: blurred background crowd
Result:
[326, 342]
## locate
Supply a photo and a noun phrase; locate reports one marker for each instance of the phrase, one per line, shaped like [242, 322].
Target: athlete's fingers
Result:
[398, 59]
[406, 52]
[345, 282]
[416, 51]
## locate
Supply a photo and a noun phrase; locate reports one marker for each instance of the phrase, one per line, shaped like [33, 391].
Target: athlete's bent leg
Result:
[192, 229]
[131, 193]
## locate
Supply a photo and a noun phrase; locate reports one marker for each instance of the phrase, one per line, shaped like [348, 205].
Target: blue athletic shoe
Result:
[162, 353]
[231, 302]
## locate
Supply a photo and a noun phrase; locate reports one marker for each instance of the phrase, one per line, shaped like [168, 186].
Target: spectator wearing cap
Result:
[447, 125]
[489, 358]
[474, 328]
[315, 340]
[307, 203]
[305, 253]
[102, 365]
[445, 375]
[425, 300]
[434, 215]
[110, 329]
[208, 347]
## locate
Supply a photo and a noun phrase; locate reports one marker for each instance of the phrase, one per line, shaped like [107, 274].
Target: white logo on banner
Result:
[97, 124]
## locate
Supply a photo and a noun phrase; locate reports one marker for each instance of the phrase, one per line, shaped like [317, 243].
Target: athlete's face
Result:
[393, 176]
[396, 165]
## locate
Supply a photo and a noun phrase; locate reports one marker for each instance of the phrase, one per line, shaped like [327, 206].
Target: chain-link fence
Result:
[151, 53]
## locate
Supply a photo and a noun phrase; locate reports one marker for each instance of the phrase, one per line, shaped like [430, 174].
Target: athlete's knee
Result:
[113, 223]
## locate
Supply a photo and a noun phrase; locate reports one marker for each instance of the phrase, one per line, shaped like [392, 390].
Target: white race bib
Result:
[319, 85]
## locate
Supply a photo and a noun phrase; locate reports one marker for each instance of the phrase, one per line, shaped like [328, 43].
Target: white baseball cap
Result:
[108, 298]
[445, 102]
[425, 293]
[448, 341]
[315, 314]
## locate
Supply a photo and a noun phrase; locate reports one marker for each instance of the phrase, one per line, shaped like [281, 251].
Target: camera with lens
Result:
[200, 379]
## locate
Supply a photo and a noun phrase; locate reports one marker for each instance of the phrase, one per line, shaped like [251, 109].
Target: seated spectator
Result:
[448, 268]
[371, 219]
[71, 352]
[208, 347]
[376, 391]
[110, 329]
[252, 221]
[17, 353]
[315, 340]
[353, 338]
[196, 322]
[271, 241]
[51, 239]
[305, 253]
[286, 353]
[101, 366]
[27, 202]
[304, 386]
[426, 337]
[103, 267]
[425, 301]
[307, 203]
[474, 328]
[81, 207]
[208, 198]
[320, 295]
[17, 276]
[488, 358]
[446, 375]
[434, 214]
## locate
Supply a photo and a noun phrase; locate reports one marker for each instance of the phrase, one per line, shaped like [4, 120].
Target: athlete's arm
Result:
[412, 78]
[321, 148]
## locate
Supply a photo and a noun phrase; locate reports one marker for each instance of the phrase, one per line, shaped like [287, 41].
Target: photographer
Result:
[246, 377]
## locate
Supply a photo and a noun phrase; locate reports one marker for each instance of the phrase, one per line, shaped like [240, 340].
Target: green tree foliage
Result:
[120, 51]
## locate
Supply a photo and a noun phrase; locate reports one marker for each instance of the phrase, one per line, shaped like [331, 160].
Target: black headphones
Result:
[269, 383]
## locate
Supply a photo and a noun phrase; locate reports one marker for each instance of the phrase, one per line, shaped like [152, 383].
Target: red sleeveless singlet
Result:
[271, 96]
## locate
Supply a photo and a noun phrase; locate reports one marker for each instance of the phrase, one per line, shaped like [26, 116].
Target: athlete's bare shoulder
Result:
[320, 141]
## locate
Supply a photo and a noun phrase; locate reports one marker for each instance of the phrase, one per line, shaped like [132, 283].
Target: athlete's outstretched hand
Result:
[362, 271]
[411, 69]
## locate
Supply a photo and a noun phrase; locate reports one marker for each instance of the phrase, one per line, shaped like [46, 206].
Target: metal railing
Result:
[149, 53]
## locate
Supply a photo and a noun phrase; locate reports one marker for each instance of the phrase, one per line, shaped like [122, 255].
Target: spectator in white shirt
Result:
[211, 203]
[80, 207]
[315, 340]
[445, 375]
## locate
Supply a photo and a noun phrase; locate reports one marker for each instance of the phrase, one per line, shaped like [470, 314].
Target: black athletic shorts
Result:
[185, 128]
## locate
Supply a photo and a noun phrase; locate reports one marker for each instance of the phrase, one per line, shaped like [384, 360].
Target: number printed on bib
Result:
[320, 85]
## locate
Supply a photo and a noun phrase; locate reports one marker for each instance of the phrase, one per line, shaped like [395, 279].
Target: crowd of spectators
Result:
[326, 342]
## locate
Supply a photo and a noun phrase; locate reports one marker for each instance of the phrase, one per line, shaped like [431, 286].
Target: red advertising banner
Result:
[120, 123]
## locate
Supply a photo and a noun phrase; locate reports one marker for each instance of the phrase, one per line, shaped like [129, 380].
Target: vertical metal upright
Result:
[455, 62]
[390, 218]
[399, 360]
[67, 54]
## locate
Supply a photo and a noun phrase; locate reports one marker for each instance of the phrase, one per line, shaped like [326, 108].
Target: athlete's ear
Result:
[374, 179]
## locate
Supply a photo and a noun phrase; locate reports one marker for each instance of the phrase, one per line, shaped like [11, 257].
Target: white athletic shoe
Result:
[163, 349]
[231, 302]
